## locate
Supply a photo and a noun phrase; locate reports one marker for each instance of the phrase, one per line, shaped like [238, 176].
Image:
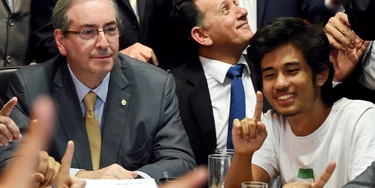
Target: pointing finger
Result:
[258, 107]
[325, 175]
[8, 107]
[66, 161]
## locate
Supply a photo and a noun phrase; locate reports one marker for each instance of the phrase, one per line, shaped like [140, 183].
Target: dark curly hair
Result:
[309, 38]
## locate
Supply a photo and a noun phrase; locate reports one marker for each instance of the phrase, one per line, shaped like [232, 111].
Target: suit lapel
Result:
[201, 103]
[261, 5]
[115, 117]
[19, 5]
[70, 115]
[141, 9]
[127, 4]
[6, 5]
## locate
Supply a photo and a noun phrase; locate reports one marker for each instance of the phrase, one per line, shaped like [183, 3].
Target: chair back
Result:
[4, 80]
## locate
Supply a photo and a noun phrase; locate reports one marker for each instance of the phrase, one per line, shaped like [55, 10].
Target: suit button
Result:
[9, 59]
[11, 22]
[135, 25]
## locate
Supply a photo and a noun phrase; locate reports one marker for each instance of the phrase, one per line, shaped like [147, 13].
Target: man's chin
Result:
[287, 112]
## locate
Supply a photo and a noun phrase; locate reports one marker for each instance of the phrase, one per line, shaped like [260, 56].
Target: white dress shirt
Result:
[219, 87]
[101, 91]
[11, 5]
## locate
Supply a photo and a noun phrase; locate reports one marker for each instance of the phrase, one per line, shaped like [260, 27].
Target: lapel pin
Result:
[123, 102]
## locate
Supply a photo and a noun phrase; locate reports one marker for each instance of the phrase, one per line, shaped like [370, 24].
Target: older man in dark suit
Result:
[219, 37]
[145, 26]
[137, 132]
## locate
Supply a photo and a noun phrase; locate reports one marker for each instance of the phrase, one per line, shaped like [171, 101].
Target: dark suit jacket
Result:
[315, 11]
[15, 33]
[146, 134]
[196, 108]
[365, 179]
[152, 30]
[361, 14]
[268, 10]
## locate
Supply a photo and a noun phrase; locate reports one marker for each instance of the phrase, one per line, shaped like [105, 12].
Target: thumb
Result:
[134, 174]
[8, 107]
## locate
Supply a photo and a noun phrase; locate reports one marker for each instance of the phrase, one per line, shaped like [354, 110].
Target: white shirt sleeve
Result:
[74, 171]
[367, 79]
[362, 151]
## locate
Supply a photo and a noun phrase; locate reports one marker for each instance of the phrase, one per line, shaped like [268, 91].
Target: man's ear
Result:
[200, 36]
[322, 76]
[60, 41]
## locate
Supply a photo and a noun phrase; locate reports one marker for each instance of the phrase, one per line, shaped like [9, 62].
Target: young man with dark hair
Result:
[308, 127]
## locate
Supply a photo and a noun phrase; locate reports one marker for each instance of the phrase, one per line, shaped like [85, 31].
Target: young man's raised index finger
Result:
[258, 107]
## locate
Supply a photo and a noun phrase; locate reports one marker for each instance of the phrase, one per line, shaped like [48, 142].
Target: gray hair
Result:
[60, 18]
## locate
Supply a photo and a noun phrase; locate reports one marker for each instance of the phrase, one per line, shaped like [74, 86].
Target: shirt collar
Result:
[101, 91]
[218, 69]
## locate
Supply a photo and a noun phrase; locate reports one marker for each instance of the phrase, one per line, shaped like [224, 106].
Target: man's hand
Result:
[63, 179]
[9, 131]
[194, 179]
[323, 179]
[339, 33]
[344, 62]
[25, 164]
[48, 168]
[114, 171]
[249, 134]
[141, 52]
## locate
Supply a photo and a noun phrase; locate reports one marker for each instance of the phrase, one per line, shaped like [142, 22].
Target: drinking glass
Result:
[225, 151]
[218, 165]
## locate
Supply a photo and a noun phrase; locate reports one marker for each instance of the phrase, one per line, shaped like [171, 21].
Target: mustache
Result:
[102, 53]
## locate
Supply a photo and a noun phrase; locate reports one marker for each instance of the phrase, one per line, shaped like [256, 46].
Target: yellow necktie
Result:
[134, 5]
[93, 129]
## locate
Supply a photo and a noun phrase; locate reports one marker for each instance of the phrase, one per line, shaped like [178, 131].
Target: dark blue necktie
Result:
[237, 100]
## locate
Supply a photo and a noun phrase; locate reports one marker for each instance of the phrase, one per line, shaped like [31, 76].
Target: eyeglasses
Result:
[88, 34]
